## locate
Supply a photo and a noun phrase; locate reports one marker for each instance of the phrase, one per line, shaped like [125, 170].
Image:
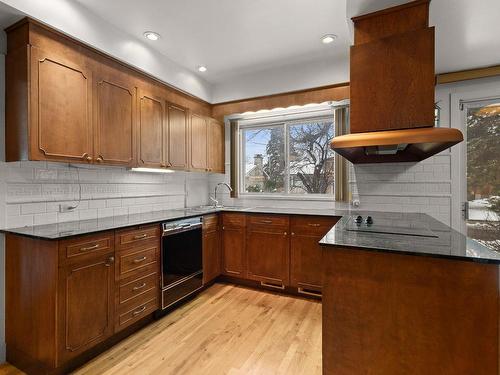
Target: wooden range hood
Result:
[392, 89]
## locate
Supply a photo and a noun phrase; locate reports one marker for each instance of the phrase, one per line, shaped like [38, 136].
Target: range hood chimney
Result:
[392, 89]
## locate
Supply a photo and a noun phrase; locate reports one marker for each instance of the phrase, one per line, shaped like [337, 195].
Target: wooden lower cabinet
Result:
[233, 244]
[86, 305]
[267, 249]
[306, 255]
[211, 248]
[64, 297]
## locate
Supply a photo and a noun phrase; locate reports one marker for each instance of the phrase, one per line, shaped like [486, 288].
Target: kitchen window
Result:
[288, 154]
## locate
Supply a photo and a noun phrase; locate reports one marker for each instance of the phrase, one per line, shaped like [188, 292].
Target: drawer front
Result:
[210, 223]
[233, 220]
[137, 261]
[83, 246]
[131, 313]
[312, 225]
[130, 290]
[137, 236]
[269, 222]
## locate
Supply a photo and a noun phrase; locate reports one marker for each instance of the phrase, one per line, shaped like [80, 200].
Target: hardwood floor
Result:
[226, 330]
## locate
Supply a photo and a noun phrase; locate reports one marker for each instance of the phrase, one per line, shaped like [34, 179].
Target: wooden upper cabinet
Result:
[177, 137]
[152, 131]
[60, 107]
[216, 157]
[198, 136]
[115, 117]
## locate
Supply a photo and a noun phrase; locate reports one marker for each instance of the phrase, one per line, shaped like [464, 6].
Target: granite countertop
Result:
[444, 243]
[74, 228]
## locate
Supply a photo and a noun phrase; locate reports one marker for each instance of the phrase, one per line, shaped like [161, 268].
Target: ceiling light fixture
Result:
[202, 68]
[151, 35]
[328, 38]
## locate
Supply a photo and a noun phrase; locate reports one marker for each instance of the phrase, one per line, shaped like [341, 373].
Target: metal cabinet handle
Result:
[87, 157]
[137, 312]
[285, 233]
[313, 225]
[275, 286]
[140, 236]
[110, 261]
[293, 234]
[308, 292]
[89, 247]
[139, 286]
[266, 221]
[139, 260]
[99, 159]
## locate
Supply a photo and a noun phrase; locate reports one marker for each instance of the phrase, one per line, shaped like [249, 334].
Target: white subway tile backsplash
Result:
[33, 208]
[34, 191]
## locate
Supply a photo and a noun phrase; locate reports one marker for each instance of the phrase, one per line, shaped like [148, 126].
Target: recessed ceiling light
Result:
[202, 68]
[328, 38]
[151, 35]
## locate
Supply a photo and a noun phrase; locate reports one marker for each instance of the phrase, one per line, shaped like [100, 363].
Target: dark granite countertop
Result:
[435, 238]
[74, 228]
[446, 242]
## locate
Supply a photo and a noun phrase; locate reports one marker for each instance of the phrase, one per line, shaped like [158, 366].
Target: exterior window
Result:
[291, 158]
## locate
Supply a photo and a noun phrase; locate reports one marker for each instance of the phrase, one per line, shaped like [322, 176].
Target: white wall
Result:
[72, 18]
[296, 76]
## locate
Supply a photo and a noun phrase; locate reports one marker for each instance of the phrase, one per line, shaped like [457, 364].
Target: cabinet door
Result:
[233, 251]
[176, 143]
[216, 146]
[151, 131]
[306, 260]
[60, 113]
[115, 118]
[86, 305]
[268, 256]
[198, 143]
[211, 248]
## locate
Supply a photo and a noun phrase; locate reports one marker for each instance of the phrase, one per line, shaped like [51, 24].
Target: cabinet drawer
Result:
[133, 312]
[312, 225]
[137, 236]
[233, 220]
[269, 222]
[210, 223]
[130, 290]
[85, 245]
[136, 261]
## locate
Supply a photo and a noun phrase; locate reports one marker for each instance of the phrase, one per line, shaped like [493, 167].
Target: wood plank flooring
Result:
[226, 330]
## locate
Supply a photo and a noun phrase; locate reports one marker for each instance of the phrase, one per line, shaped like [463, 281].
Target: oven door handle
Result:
[184, 228]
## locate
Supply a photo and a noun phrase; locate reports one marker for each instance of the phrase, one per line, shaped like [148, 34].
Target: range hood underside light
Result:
[407, 145]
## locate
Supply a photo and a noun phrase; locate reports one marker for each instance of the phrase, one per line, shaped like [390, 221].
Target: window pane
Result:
[264, 160]
[311, 158]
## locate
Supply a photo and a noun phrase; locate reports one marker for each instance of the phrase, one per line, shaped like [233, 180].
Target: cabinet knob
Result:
[110, 261]
[293, 234]
[163, 165]
[87, 157]
[100, 159]
[284, 234]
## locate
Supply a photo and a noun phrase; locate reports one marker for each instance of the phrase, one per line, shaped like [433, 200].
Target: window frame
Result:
[285, 120]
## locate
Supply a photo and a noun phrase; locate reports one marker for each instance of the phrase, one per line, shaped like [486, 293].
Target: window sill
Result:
[328, 198]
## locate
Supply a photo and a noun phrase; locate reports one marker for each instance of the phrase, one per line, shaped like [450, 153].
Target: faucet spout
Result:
[214, 199]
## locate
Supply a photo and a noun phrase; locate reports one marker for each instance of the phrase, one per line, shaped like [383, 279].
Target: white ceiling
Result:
[233, 37]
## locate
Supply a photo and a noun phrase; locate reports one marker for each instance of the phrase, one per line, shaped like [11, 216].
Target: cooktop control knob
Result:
[358, 220]
[369, 220]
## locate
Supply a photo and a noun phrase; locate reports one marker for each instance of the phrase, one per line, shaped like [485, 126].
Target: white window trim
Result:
[283, 118]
